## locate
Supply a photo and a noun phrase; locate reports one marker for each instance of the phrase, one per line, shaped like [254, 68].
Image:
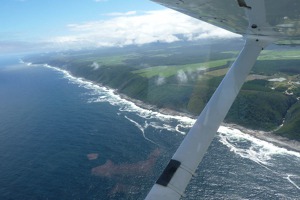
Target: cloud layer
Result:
[132, 28]
[121, 29]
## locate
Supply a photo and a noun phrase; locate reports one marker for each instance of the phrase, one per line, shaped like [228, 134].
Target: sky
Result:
[44, 25]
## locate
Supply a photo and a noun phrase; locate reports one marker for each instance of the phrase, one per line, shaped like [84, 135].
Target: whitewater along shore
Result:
[262, 135]
[277, 140]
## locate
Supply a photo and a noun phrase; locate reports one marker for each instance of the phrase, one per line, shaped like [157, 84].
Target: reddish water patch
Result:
[110, 169]
[92, 156]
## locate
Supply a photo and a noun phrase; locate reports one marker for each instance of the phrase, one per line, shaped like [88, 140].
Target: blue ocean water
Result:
[63, 137]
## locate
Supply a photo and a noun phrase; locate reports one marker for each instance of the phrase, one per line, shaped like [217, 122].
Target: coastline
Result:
[144, 105]
[277, 140]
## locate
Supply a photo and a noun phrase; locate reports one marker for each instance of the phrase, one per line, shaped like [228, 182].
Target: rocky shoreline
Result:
[277, 140]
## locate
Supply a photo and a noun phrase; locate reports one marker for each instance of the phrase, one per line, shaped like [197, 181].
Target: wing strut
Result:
[176, 176]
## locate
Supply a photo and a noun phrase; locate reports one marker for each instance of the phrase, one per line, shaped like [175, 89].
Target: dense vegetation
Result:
[292, 123]
[183, 76]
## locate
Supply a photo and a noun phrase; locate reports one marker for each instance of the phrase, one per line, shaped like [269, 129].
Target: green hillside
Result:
[183, 76]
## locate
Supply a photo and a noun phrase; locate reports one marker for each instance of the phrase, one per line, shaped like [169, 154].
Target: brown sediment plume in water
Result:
[110, 169]
[122, 188]
[92, 156]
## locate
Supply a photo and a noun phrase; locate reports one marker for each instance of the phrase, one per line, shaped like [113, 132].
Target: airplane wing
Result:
[281, 17]
[261, 22]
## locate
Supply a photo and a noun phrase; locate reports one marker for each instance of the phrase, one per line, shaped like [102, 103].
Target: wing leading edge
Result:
[282, 19]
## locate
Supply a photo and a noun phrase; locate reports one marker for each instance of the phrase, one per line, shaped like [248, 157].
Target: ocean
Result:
[63, 137]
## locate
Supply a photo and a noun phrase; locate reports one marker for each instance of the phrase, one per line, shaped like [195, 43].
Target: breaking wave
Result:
[179, 124]
[261, 152]
[290, 177]
[250, 147]
[142, 128]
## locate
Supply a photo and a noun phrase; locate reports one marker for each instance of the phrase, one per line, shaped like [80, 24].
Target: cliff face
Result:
[177, 78]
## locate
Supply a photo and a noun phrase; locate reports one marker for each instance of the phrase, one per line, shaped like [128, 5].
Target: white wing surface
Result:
[282, 18]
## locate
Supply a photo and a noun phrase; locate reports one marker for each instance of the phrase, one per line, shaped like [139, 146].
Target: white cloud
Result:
[100, 0]
[182, 77]
[132, 29]
[160, 80]
[95, 65]
[121, 14]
